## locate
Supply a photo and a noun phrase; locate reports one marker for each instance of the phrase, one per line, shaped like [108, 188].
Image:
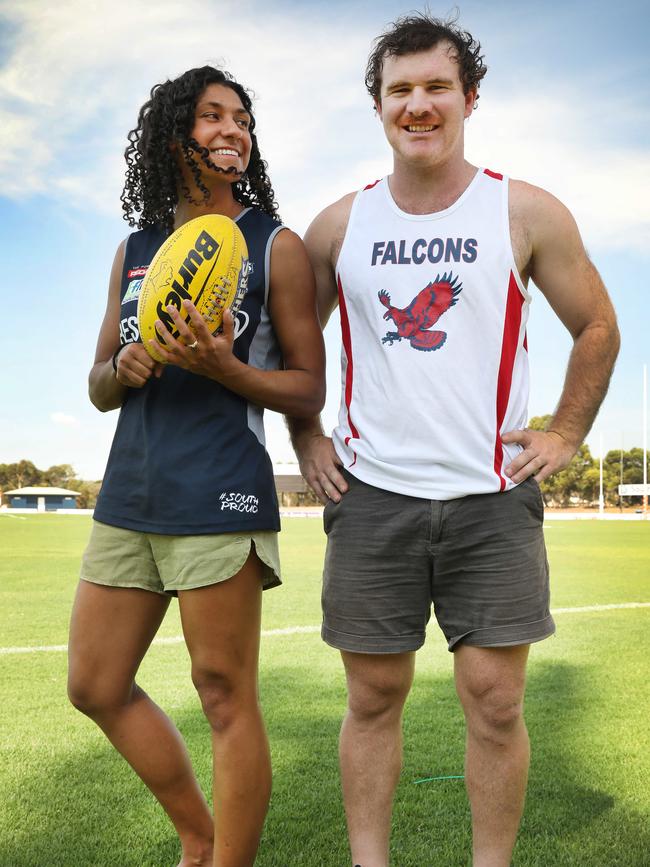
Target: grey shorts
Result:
[480, 560]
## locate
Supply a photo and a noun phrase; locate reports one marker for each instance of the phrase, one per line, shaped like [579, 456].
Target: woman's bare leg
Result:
[110, 632]
[222, 630]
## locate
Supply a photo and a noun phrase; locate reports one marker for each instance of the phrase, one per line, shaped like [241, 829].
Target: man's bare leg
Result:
[370, 749]
[110, 632]
[221, 624]
[490, 683]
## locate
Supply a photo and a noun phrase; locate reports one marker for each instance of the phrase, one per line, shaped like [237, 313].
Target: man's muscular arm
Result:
[560, 267]
[319, 463]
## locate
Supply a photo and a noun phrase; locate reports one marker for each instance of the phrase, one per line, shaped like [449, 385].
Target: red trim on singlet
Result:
[349, 372]
[373, 184]
[511, 327]
[495, 175]
[526, 341]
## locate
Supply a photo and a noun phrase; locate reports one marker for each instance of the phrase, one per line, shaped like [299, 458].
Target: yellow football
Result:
[205, 262]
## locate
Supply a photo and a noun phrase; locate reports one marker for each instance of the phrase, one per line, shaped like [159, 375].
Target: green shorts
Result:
[166, 564]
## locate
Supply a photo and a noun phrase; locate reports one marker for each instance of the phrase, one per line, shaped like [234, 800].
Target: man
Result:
[431, 479]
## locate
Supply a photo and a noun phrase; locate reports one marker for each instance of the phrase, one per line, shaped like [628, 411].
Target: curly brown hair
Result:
[419, 32]
[153, 177]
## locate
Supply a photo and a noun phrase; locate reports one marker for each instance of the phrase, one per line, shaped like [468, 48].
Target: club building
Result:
[40, 499]
[291, 488]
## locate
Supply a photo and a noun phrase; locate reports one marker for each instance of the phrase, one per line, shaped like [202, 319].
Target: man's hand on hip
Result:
[320, 467]
[544, 453]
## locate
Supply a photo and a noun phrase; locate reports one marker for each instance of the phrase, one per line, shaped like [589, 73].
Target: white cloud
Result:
[556, 144]
[61, 418]
[71, 88]
[78, 74]
[21, 177]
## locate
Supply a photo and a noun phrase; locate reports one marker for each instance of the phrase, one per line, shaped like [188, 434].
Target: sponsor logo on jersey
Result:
[424, 311]
[242, 284]
[137, 272]
[241, 323]
[237, 502]
[129, 331]
[424, 251]
[132, 291]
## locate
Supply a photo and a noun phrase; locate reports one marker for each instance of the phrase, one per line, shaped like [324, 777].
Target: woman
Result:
[188, 504]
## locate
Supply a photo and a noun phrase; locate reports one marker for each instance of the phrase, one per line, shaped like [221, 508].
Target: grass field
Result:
[69, 801]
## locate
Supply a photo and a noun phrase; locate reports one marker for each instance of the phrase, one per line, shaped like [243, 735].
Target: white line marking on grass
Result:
[303, 630]
[583, 608]
[39, 648]
[173, 639]
[266, 633]
[290, 630]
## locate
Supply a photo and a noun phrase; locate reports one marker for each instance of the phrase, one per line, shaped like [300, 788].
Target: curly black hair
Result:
[419, 32]
[153, 177]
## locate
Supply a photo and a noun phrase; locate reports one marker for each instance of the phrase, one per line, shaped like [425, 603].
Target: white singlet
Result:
[434, 357]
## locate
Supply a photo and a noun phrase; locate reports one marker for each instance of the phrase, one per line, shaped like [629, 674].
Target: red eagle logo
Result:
[424, 310]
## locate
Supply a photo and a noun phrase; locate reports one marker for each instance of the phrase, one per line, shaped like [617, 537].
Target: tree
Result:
[539, 422]
[563, 487]
[632, 472]
[612, 476]
[575, 481]
[88, 492]
[589, 484]
[633, 467]
[20, 475]
[59, 475]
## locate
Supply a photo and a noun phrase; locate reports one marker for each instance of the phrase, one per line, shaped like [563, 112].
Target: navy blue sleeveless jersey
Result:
[188, 456]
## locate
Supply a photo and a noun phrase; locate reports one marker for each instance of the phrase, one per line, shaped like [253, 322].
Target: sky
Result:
[563, 106]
